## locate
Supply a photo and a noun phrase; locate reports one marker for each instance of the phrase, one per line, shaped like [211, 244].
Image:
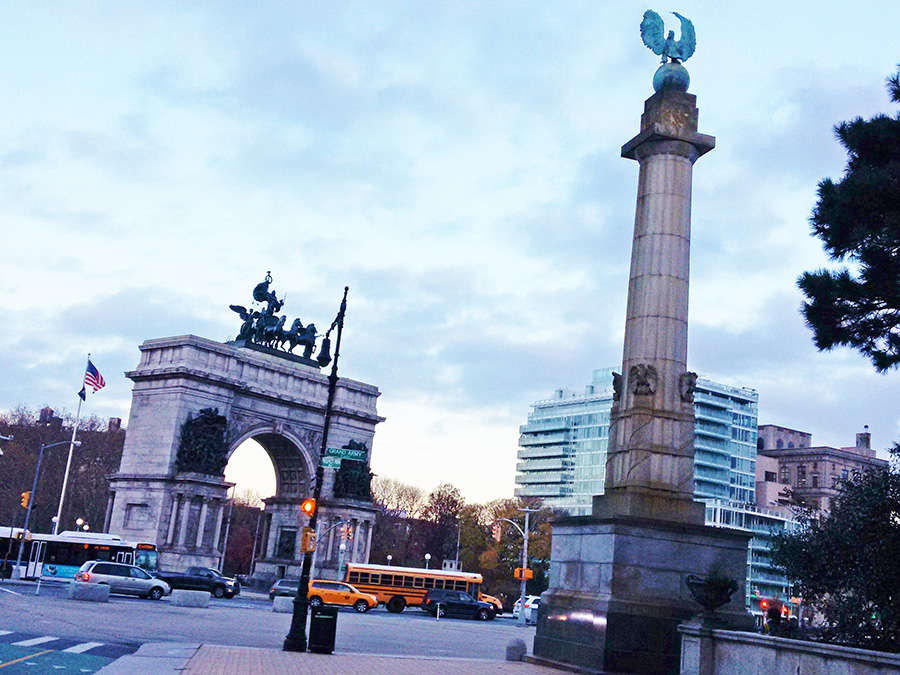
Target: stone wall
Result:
[722, 652]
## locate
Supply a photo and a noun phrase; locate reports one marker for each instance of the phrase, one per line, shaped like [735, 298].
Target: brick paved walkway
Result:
[214, 660]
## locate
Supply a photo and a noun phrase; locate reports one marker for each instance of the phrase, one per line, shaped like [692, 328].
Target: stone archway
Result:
[277, 401]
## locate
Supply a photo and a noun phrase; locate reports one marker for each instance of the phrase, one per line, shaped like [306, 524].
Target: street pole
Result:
[34, 484]
[524, 534]
[522, 590]
[295, 640]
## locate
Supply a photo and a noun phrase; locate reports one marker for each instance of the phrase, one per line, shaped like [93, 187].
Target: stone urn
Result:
[712, 592]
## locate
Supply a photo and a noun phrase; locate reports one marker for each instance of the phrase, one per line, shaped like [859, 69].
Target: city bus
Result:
[48, 556]
[397, 587]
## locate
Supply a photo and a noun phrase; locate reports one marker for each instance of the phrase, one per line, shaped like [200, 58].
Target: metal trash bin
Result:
[322, 628]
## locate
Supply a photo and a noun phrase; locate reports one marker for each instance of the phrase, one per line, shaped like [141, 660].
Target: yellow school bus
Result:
[397, 587]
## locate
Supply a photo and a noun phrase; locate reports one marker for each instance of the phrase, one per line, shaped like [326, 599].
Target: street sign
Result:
[346, 453]
[331, 462]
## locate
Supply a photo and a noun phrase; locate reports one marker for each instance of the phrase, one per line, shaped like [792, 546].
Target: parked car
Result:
[122, 578]
[284, 587]
[202, 579]
[456, 603]
[323, 592]
[532, 602]
[490, 599]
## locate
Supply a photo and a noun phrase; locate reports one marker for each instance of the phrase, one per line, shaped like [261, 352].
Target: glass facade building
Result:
[562, 447]
[562, 461]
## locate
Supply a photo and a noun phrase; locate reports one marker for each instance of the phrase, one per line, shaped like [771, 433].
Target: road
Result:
[247, 620]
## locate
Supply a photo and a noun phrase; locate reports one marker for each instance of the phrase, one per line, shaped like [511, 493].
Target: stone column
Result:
[109, 508]
[650, 461]
[185, 517]
[201, 523]
[217, 537]
[173, 519]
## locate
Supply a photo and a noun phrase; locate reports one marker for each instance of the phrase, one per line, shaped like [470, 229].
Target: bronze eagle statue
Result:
[653, 35]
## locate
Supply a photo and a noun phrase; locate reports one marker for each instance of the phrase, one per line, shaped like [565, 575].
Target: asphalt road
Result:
[247, 620]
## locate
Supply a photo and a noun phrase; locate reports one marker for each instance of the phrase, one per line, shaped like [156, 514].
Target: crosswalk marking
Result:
[5, 632]
[80, 649]
[35, 641]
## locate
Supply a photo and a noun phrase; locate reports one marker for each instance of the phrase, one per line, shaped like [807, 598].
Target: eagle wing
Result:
[653, 32]
[688, 42]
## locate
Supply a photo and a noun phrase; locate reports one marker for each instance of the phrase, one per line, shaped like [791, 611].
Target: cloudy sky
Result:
[457, 164]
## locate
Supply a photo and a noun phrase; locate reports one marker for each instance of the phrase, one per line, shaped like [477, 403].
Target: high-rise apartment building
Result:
[562, 460]
[562, 448]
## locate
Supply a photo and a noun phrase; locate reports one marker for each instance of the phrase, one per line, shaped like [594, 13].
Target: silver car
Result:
[121, 578]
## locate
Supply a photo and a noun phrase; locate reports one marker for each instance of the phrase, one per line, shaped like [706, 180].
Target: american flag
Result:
[92, 379]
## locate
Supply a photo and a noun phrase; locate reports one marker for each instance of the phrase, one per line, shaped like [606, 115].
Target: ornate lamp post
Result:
[390, 557]
[295, 640]
[427, 560]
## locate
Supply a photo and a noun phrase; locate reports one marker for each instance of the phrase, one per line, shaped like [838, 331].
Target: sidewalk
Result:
[194, 659]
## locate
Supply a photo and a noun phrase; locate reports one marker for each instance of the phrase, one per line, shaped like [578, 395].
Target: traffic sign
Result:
[331, 462]
[346, 453]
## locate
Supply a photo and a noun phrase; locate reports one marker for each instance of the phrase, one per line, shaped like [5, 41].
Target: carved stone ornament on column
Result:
[688, 384]
[617, 386]
[643, 379]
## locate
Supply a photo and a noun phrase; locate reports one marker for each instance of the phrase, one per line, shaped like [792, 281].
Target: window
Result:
[815, 480]
[770, 476]
[784, 474]
[801, 475]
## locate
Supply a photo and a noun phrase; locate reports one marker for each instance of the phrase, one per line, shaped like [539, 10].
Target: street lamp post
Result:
[34, 484]
[524, 534]
[295, 640]
[427, 560]
[390, 557]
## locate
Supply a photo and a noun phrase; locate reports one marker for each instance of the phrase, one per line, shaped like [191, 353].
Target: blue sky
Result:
[456, 164]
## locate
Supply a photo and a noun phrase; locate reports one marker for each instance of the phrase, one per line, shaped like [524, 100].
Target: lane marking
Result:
[9, 663]
[33, 642]
[79, 649]
[9, 591]
[5, 632]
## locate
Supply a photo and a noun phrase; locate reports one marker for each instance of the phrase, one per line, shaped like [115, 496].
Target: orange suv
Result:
[323, 592]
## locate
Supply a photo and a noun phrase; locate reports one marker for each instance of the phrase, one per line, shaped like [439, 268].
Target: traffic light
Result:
[26, 497]
[308, 540]
[496, 531]
[349, 533]
[309, 507]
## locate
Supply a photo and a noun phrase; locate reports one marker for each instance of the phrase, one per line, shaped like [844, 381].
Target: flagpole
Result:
[62, 495]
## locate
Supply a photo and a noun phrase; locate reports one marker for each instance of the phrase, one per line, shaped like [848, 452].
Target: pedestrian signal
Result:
[308, 540]
[309, 507]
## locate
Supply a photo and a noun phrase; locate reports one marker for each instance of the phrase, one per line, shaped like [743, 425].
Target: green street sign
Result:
[346, 453]
[331, 462]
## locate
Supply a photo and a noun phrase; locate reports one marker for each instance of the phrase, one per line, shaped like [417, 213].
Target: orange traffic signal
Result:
[26, 497]
[309, 507]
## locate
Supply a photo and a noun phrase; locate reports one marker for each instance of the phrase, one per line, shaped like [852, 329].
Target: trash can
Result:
[322, 627]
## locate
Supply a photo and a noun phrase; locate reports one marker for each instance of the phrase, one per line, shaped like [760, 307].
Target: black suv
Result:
[456, 603]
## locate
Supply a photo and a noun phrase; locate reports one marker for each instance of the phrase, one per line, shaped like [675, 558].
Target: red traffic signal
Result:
[308, 507]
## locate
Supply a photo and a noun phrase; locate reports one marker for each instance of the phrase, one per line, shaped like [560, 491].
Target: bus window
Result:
[407, 582]
[374, 579]
[419, 582]
[429, 583]
[363, 577]
[146, 559]
[387, 579]
[354, 578]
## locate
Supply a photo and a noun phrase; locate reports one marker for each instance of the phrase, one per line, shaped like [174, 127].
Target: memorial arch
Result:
[179, 501]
